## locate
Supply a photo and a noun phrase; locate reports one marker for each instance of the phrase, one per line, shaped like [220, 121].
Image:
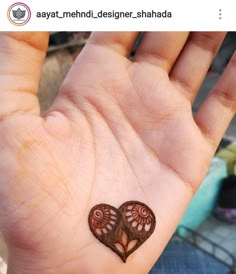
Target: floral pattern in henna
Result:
[124, 229]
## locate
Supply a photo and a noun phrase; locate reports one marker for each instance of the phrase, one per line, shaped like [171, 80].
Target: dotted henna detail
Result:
[103, 218]
[139, 216]
[124, 229]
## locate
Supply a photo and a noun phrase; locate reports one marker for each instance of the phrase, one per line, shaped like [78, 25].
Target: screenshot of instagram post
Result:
[117, 137]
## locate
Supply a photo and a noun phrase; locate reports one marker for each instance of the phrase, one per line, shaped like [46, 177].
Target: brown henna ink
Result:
[124, 229]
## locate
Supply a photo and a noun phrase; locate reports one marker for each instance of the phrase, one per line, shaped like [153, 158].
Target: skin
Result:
[119, 130]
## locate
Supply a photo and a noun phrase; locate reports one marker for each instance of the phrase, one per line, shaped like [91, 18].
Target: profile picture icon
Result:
[19, 14]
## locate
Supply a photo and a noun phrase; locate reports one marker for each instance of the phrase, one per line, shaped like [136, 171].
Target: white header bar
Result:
[120, 15]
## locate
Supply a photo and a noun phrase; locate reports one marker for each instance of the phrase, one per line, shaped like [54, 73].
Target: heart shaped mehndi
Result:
[123, 229]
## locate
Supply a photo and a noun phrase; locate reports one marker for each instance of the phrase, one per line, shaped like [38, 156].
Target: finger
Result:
[22, 55]
[194, 61]
[120, 42]
[217, 111]
[161, 48]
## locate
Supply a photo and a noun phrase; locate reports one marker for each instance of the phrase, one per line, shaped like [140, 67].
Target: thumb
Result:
[22, 55]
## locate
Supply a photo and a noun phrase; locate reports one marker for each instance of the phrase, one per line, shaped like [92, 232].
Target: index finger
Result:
[218, 109]
[22, 55]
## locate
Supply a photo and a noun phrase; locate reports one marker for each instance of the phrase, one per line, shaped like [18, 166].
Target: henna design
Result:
[103, 218]
[139, 216]
[124, 229]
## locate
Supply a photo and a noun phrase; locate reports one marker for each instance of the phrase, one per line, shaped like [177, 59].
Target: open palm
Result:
[120, 130]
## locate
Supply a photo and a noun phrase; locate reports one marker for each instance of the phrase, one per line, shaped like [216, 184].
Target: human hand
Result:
[119, 130]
